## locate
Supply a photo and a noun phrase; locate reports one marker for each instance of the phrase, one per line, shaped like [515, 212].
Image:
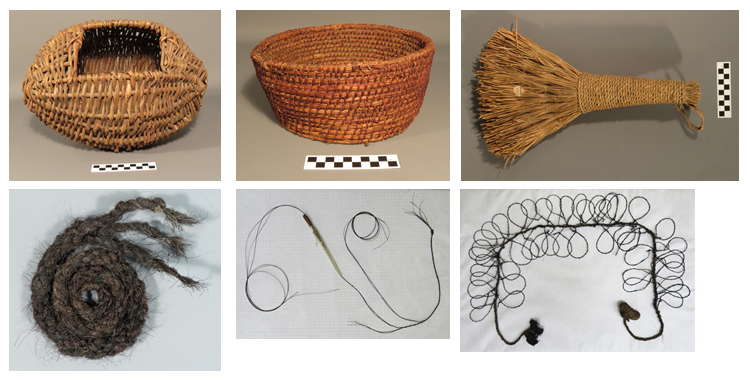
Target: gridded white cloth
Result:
[326, 306]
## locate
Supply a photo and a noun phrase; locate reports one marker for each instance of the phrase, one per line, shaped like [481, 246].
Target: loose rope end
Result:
[692, 93]
[692, 97]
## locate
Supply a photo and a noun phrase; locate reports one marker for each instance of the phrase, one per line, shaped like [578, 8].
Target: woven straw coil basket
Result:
[348, 83]
[115, 85]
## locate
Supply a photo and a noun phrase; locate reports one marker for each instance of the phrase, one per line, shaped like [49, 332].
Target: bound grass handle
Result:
[600, 92]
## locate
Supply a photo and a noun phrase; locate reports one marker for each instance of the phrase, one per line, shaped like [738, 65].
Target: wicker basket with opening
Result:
[115, 85]
[349, 83]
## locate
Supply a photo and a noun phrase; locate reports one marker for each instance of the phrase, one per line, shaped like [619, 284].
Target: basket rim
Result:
[144, 24]
[164, 34]
[258, 57]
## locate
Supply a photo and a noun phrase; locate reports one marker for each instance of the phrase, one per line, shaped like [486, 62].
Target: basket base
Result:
[348, 139]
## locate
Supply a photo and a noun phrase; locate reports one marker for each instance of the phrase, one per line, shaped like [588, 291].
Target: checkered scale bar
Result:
[124, 167]
[724, 89]
[351, 162]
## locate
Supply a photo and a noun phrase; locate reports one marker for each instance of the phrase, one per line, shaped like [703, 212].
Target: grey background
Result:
[36, 152]
[267, 151]
[637, 143]
[183, 328]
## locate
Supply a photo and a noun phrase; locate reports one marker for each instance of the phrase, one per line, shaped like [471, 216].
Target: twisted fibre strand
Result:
[554, 226]
[90, 258]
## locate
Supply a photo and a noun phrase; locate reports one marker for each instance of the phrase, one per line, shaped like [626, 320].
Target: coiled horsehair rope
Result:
[90, 258]
[552, 227]
[283, 279]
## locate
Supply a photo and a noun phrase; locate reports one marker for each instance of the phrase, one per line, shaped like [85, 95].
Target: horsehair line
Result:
[419, 214]
[488, 273]
[380, 226]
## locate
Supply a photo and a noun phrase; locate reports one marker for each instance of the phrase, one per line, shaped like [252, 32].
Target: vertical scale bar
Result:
[724, 91]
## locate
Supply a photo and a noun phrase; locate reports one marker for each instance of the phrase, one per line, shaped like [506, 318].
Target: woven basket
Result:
[349, 83]
[115, 85]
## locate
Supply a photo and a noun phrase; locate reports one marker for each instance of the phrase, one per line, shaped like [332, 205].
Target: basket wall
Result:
[351, 83]
[115, 85]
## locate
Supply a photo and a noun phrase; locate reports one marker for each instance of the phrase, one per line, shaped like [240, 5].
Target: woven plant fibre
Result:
[115, 85]
[91, 258]
[348, 83]
[526, 93]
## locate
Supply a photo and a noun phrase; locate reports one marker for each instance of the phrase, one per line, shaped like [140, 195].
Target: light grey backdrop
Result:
[267, 151]
[636, 143]
[39, 153]
[183, 330]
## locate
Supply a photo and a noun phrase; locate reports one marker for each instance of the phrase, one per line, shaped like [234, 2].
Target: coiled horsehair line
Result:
[550, 227]
[283, 280]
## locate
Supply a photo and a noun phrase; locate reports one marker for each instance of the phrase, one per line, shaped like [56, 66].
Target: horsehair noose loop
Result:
[90, 257]
[268, 269]
[379, 226]
[552, 227]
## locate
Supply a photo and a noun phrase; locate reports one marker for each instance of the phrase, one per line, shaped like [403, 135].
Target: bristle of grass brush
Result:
[526, 93]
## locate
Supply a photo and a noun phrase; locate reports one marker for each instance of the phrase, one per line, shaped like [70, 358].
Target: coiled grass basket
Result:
[115, 85]
[348, 83]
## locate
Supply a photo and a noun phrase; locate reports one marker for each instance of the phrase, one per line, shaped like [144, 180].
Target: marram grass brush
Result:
[526, 93]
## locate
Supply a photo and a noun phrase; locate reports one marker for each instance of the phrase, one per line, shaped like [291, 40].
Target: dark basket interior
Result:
[119, 49]
[324, 46]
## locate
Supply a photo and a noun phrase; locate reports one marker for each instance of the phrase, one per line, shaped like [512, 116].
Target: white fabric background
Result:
[182, 331]
[575, 300]
[401, 268]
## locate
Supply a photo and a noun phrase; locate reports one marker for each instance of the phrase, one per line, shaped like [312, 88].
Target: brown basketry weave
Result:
[348, 83]
[115, 85]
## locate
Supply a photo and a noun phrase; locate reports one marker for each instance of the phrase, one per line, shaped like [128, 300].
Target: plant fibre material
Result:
[116, 84]
[526, 93]
[90, 258]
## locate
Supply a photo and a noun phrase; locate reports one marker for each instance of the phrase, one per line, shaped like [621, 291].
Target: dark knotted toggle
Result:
[627, 312]
[533, 332]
